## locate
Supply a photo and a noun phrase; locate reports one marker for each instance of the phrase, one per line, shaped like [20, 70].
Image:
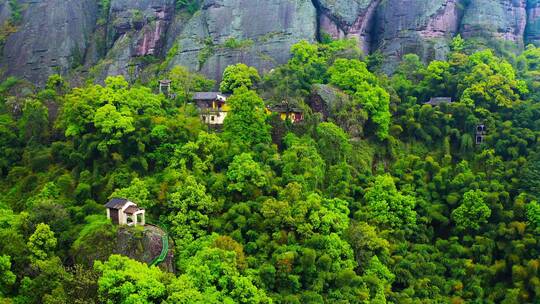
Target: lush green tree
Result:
[123, 280]
[7, 278]
[42, 242]
[473, 211]
[184, 83]
[353, 77]
[246, 175]
[387, 206]
[239, 76]
[245, 125]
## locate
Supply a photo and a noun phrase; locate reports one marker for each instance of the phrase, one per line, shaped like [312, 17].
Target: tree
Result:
[533, 215]
[189, 210]
[239, 76]
[333, 143]
[473, 211]
[34, 122]
[125, 281]
[245, 125]
[246, 175]
[302, 163]
[7, 278]
[386, 206]
[42, 242]
[353, 77]
[184, 83]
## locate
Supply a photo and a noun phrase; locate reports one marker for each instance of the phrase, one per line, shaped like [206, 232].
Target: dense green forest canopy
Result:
[380, 198]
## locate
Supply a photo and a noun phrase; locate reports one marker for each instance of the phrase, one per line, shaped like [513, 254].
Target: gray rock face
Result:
[412, 26]
[136, 28]
[53, 38]
[532, 32]
[256, 32]
[56, 35]
[348, 19]
[500, 19]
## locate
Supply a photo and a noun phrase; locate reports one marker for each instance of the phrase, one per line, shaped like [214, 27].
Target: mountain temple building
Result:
[212, 106]
[124, 212]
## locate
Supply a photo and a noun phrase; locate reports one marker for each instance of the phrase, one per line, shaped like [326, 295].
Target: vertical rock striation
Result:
[256, 32]
[136, 28]
[52, 38]
[56, 35]
[420, 27]
[532, 32]
[348, 19]
[496, 19]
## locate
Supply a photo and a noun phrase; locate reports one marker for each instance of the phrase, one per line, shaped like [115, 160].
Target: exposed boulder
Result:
[52, 38]
[256, 32]
[144, 245]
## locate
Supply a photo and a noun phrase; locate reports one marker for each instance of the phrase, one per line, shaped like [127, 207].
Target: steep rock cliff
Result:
[348, 19]
[420, 27]
[256, 32]
[52, 38]
[136, 28]
[495, 19]
[532, 33]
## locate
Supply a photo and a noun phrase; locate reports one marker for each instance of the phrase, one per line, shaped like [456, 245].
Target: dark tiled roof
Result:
[131, 209]
[207, 95]
[116, 203]
[435, 101]
[284, 109]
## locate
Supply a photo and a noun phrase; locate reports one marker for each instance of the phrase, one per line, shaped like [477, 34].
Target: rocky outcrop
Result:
[136, 28]
[532, 32]
[348, 19]
[420, 27]
[125, 38]
[143, 245]
[52, 38]
[256, 32]
[499, 19]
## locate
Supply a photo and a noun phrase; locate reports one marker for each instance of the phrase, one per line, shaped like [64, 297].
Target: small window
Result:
[212, 118]
[479, 139]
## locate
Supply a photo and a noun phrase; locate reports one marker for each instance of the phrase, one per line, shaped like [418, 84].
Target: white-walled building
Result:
[124, 212]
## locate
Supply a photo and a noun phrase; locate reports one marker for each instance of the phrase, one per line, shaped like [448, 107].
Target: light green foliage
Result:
[245, 124]
[333, 143]
[319, 211]
[353, 77]
[473, 211]
[137, 192]
[185, 83]
[35, 117]
[245, 174]
[533, 215]
[123, 280]
[491, 82]
[7, 278]
[42, 242]
[238, 76]
[190, 207]
[387, 206]
[302, 162]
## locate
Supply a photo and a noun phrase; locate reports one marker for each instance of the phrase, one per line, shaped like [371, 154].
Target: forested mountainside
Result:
[420, 187]
[139, 38]
[355, 151]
